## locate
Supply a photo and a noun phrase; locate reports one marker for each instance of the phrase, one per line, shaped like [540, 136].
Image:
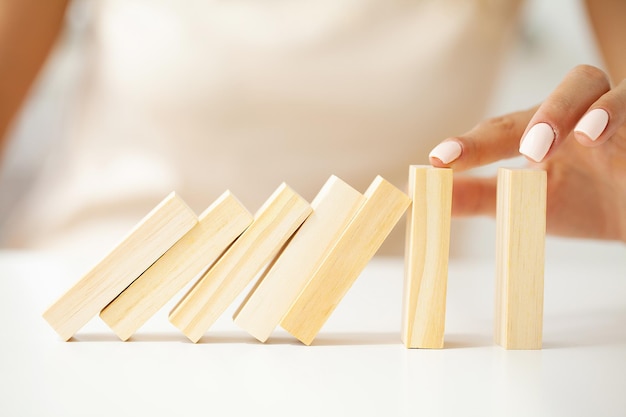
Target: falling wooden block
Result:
[273, 225]
[219, 226]
[372, 223]
[520, 240]
[144, 244]
[333, 208]
[426, 257]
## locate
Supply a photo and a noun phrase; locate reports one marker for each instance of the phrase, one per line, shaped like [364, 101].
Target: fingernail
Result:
[446, 152]
[537, 142]
[593, 123]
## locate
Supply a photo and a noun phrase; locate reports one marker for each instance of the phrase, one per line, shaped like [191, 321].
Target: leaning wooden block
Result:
[382, 209]
[219, 226]
[426, 257]
[145, 243]
[265, 306]
[520, 240]
[273, 225]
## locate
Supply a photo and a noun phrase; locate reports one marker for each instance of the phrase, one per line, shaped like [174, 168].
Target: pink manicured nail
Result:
[446, 152]
[593, 123]
[537, 142]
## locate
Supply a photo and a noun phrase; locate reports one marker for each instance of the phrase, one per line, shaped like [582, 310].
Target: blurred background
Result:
[551, 38]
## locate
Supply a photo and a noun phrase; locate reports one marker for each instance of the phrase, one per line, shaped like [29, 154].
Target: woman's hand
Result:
[578, 135]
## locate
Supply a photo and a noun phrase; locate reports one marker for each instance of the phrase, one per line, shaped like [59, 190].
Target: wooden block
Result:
[219, 226]
[264, 307]
[382, 209]
[144, 244]
[520, 240]
[273, 225]
[426, 257]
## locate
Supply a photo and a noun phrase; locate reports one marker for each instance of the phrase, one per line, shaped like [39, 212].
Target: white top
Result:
[357, 366]
[199, 97]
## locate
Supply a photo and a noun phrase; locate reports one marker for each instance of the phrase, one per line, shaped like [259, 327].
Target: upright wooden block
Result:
[144, 244]
[273, 225]
[333, 208]
[219, 226]
[426, 257]
[520, 240]
[382, 209]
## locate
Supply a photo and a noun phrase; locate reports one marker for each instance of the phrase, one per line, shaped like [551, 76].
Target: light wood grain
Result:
[264, 307]
[273, 225]
[143, 245]
[520, 244]
[219, 225]
[426, 257]
[382, 209]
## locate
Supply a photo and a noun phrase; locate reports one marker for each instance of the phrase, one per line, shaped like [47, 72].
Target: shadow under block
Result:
[141, 247]
[273, 225]
[520, 244]
[219, 225]
[333, 208]
[426, 257]
[382, 209]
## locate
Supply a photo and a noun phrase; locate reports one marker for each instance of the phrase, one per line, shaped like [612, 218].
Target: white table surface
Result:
[357, 365]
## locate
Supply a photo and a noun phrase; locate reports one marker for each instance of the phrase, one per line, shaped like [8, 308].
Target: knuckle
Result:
[559, 104]
[591, 74]
[620, 96]
[503, 124]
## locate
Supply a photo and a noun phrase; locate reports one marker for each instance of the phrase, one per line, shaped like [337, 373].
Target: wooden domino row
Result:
[306, 257]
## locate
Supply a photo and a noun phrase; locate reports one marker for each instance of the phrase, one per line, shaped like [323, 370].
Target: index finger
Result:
[489, 141]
